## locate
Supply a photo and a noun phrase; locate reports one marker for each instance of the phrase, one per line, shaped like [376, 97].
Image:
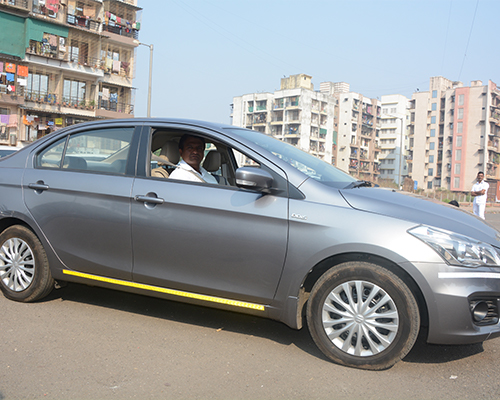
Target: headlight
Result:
[458, 249]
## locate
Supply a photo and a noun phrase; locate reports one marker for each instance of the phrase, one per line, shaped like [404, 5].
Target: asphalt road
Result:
[92, 343]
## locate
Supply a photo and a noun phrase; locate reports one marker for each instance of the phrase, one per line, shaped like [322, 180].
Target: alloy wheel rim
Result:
[360, 325]
[17, 264]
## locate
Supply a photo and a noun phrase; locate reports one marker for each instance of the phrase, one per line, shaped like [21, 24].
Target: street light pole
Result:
[401, 154]
[150, 72]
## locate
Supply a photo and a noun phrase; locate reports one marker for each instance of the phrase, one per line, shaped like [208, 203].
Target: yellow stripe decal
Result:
[173, 292]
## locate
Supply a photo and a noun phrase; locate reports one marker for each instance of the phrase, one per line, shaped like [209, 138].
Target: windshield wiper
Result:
[359, 184]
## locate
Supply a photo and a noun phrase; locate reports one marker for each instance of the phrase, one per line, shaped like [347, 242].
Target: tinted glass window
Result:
[102, 150]
[51, 157]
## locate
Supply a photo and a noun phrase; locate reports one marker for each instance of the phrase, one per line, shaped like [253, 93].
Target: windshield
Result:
[307, 164]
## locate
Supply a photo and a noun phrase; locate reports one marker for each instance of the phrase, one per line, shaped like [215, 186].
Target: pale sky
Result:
[208, 51]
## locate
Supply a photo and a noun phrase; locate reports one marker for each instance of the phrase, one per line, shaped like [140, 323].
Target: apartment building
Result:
[393, 138]
[296, 114]
[358, 126]
[64, 62]
[454, 133]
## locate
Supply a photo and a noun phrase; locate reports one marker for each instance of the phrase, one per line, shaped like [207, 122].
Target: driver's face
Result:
[193, 152]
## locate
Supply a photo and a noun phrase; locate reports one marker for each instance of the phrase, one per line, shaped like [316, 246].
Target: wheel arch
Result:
[11, 221]
[321, 267]
[20, 219]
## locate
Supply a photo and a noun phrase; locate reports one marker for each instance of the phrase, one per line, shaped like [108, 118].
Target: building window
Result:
[456, 182]
[429, 185]
[460, 99]
[73, 92]
[433, 120]
[457, 168]
[431, 158]
[432, 145]
[434, 94]
[433, 133]
[434, 106]
[430, 171]
[458, 155]
[460, 127]
[460, 113]
[37, 85]
[459, 141]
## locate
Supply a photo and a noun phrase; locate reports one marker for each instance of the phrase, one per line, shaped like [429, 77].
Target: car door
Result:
[79, 195]
[209, 239]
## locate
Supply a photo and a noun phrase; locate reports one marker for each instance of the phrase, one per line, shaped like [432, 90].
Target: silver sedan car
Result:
[274, 232]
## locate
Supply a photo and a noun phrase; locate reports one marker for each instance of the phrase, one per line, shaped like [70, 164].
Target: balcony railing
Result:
[121, 30]
[122, 68]
[83, 22]
[116, 106]
[16, 3]
[41, 97]
[7, 89]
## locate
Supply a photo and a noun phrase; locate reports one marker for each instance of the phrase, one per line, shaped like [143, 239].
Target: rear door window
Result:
[100, 150]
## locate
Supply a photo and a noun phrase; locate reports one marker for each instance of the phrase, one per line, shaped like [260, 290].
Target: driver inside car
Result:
[192, 151]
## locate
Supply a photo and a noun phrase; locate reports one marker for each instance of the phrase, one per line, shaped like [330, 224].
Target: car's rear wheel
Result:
[24, 268]
[363, 315]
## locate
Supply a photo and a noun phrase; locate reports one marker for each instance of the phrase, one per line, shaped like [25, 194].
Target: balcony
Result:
[495, 117]
[292, 130]
[16, 3]
[120, 30]
[260, 119]
[112, 109]
[40, 49]
[12, 94]
[277, 130]
[278, 104]
[493, 146]
[84, 22]
[42, 97]
[367, 109]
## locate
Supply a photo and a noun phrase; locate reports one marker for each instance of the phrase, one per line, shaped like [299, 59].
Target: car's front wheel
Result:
[362, 315]
[24, 268]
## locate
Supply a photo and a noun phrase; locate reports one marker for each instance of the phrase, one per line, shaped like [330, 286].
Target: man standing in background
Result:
[480, 194]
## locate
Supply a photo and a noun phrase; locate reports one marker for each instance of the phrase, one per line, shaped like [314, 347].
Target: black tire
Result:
[375, 337]
[24, 268]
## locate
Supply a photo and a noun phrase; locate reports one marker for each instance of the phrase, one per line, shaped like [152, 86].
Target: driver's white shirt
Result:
[185, 172]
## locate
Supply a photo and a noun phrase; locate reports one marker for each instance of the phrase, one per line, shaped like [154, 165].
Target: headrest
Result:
[169, 154]
[171, 150]
[212, 161]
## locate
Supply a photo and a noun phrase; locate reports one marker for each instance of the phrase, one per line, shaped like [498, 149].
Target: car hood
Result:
[421, 210]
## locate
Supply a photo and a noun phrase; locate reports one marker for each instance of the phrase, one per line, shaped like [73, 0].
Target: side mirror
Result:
[254, 179]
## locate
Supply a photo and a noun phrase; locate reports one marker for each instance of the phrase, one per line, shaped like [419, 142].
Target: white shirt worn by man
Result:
[185, 172]
[479, 204]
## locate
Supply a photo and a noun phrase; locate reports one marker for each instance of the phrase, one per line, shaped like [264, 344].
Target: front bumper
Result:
[451, 294]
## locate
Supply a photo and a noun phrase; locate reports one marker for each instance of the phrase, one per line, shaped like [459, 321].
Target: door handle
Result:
[149, 199]
[38, 187]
